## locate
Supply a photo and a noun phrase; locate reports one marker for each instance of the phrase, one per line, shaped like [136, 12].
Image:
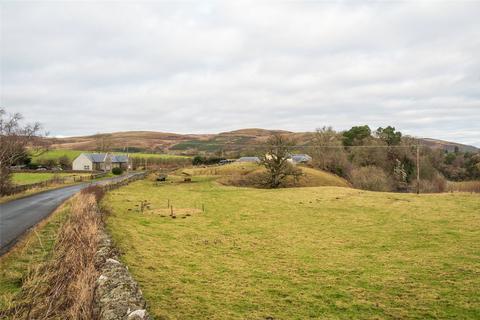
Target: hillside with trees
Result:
[385, 160]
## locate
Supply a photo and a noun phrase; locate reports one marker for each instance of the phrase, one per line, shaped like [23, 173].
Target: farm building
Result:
[100, 162]
[300, 158]
[294, 158]
[249, 159]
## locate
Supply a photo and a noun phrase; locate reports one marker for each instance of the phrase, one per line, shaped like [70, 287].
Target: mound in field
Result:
[250, 175]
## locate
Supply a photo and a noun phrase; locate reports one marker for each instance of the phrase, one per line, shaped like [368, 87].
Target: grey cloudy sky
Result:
[197, 67]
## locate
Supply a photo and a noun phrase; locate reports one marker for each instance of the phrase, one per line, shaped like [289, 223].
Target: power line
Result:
[301, 146]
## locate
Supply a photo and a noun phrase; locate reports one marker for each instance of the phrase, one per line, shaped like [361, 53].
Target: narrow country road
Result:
[17, 216]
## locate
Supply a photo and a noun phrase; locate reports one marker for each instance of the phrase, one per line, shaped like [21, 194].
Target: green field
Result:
[155, 155]
[300, 253]
[21, 178]
[72, 154]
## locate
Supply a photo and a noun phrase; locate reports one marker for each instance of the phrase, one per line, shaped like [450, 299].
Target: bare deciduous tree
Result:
[103, 142]
[275, 160]
[15, 138]
[328, 152]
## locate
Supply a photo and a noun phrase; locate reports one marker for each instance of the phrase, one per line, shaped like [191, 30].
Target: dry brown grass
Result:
[253, 175]
[464, 186]
[63, 287]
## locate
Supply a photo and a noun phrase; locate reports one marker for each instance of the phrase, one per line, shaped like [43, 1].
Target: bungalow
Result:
[100, 162]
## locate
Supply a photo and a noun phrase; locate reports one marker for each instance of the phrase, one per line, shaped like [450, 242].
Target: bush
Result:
[251, 179]
[464, 186]
[436, 184]
[199, 160]
[97, 191]
[117, 171]
[370, 178]
[49, 163]
[6, 184]
[65, 162]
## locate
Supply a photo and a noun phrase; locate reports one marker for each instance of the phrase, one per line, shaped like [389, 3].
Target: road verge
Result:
[83, 279]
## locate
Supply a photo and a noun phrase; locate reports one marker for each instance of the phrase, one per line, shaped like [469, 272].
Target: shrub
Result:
[370, 178]
[252, 179]
[464, 186]
[117, 171]
[6, 184]
[199, 160]
[49, 163]
[65, 162]
[434, 185]
[96, 190]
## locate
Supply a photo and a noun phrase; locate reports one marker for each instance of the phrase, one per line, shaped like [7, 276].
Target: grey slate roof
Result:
[96, 157]
[301, 157]
[100, 157]
[119, 158]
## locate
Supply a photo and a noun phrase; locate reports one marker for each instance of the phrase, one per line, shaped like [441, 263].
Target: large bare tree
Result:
[15, 139]
[275, 160]
[328, 152]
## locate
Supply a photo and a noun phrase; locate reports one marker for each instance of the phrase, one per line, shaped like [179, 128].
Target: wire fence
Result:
[58, 180]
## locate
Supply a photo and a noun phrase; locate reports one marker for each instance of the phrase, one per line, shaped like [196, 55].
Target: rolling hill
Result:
[244, 139]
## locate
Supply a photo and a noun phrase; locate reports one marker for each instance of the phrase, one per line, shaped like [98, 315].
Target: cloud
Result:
[81, 67]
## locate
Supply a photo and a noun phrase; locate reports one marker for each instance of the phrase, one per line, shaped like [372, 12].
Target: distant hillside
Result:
[449, 146]
[142, 140]
[243, 139]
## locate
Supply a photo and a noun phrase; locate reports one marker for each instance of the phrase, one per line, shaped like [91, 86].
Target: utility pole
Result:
[418, 169]
[128, 160]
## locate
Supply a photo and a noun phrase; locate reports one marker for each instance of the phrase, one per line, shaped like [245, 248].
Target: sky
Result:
[204, 67]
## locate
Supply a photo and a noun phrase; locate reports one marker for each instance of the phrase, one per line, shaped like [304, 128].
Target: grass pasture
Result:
[55, 154]
[21, 178]
[299, 253]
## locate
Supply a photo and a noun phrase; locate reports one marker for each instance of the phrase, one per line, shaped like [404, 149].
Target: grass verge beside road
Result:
[35, 248]
[321, 252]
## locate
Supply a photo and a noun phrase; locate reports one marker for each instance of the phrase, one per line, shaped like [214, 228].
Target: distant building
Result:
[294, 158]
[249, 159]
[100, 162]
[300, 158]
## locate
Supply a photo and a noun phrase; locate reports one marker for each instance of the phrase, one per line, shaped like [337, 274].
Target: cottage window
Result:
[86, 167]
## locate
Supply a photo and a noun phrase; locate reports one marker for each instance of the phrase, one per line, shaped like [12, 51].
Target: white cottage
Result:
[99, 162]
